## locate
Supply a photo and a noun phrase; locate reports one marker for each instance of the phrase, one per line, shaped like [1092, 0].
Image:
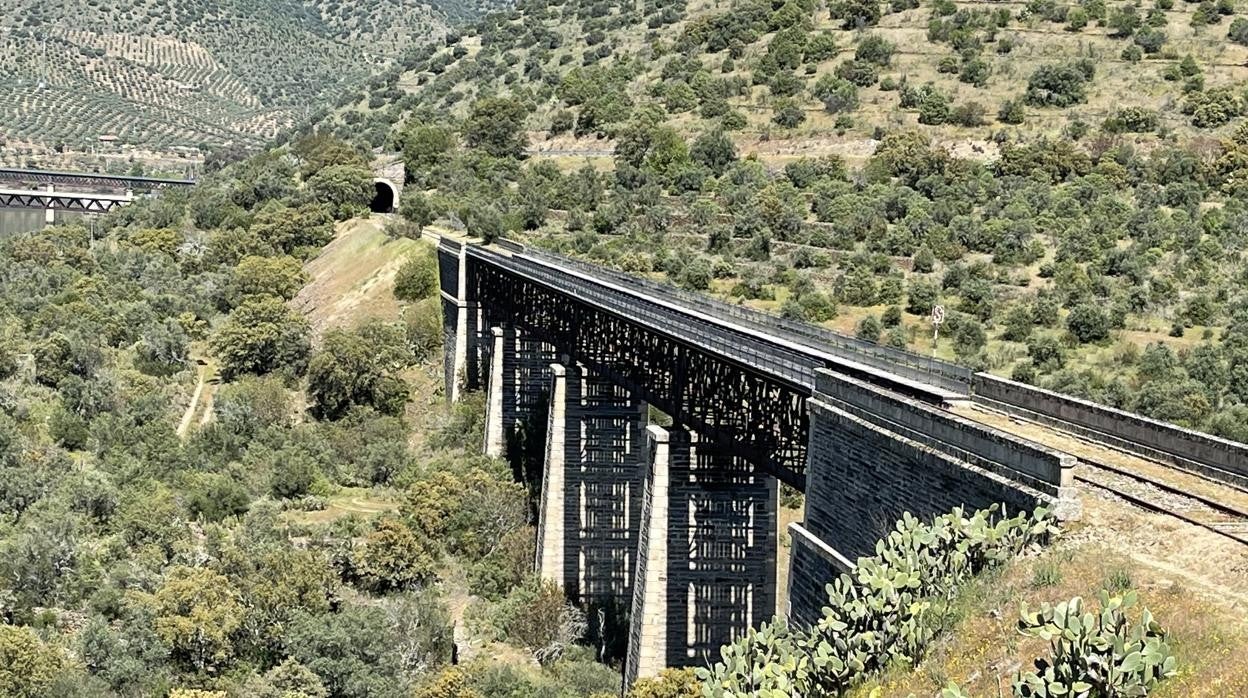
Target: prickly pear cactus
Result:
[886, 611]
[1101, 655]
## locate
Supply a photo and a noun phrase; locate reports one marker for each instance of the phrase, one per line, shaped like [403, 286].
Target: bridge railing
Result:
[756, 352]
[907, 364]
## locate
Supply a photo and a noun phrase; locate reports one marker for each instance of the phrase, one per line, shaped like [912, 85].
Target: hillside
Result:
[1083, 226]
[159, 74]
[813, 78]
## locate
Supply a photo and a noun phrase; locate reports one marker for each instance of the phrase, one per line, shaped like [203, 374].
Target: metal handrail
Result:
[908, 364]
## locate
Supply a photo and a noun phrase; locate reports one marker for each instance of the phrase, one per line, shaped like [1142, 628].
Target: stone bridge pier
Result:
[706, 569]
[674, 535]
[590, 509]
[517, 390]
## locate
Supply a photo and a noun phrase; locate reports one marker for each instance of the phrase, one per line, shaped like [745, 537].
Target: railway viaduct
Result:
[87, 192]
[661, 423]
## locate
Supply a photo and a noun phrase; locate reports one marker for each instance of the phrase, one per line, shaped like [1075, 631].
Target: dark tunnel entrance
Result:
[383, 197]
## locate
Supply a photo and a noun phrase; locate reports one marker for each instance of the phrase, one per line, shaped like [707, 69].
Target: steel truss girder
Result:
[762, 417]
[89, 179]
[61, 202]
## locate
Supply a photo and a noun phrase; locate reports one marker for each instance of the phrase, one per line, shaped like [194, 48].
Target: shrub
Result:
[28, 667]
[359, 367]
[855, 14]
[975, 72]
[935, 108]
[261, 336]
[1088, 323]
[1059, 85]
[670, 683]
[417, 279]
[969, 114]
[536, 615]
[418, 210]
[393, 557]
[837, 94]
[1214, 108]
[789, 114]
[874, 49]
[870, 329]
[1150, 39]
[887, 609]
[1131, 120]
[1238, 31]
[921, 296]
[1011, 112]
[858, 72]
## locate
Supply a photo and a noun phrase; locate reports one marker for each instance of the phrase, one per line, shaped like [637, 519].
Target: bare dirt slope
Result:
[353, 277]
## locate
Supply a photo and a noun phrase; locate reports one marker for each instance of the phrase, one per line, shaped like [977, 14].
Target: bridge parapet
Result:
[1029, 463]
[1203, 454]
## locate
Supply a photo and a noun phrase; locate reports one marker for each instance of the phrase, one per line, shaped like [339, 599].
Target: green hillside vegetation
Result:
[326, 526]
[161, 74]
[1098, 253]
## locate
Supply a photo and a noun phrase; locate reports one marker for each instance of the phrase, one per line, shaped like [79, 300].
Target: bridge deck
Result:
[793, 353]
[1092, 455]
[791, 350]
[20, 174]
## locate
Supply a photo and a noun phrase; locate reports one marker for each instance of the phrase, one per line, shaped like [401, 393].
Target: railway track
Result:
[1216, 506]
[1157, 496]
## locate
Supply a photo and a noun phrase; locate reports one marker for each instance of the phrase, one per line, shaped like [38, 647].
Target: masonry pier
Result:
[706, 569]
[591, 487]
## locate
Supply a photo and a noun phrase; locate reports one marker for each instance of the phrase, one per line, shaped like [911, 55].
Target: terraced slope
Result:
[165, 73]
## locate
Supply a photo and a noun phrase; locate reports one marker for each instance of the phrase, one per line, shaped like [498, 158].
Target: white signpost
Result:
[938, 317]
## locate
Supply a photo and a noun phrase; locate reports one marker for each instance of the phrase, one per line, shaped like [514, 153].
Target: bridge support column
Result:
[49, 213]
[519, 382]
[494, 430]
[461, 323]
[591, 502]
[552, 519]
[706, 568]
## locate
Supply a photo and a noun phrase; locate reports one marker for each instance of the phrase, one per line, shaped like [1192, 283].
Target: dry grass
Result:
[984, 651]
[784, 551]
[358, 501]
[353, 277]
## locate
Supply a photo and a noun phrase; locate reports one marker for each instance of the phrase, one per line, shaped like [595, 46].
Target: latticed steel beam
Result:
[87, 203]
[761, 415]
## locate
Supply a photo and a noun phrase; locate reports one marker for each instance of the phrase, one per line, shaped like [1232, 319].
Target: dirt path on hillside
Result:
[185, 424]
